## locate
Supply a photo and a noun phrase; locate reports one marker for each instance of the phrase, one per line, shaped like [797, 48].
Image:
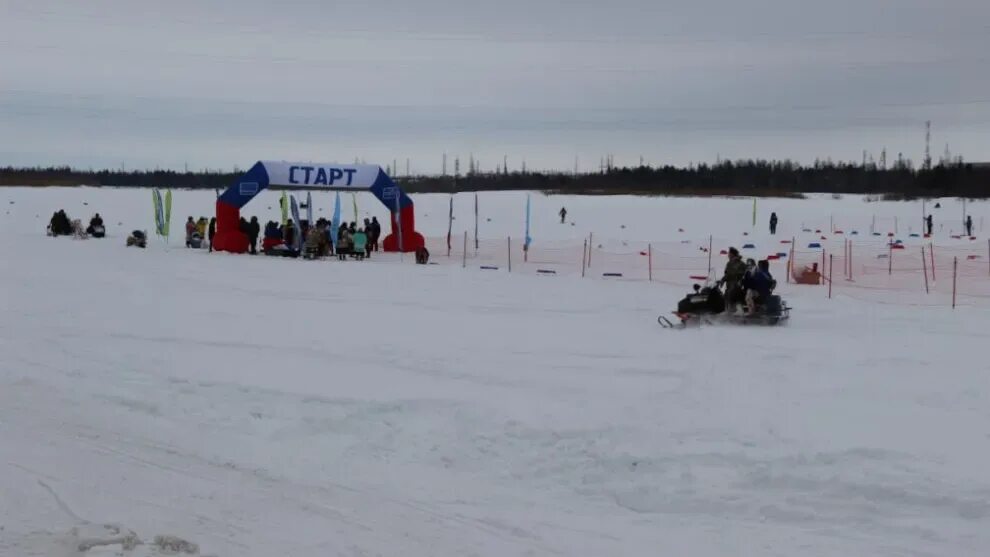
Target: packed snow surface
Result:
[169, 401]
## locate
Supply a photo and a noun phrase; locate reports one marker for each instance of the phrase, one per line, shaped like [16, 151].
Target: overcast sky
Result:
[217, 84]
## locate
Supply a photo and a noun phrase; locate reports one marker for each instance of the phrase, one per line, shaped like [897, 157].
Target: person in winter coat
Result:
[201, 226]
[254, 230]
[773, 223]
[212, 231]
[735, 270]
[190, 229]
[289, 234]
[759, 284]
[969, 225]
[563, 214]
[95, 228]
[375, 234]
[929, 224]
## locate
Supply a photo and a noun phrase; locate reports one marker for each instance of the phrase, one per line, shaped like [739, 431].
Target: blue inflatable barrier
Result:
[814, 245]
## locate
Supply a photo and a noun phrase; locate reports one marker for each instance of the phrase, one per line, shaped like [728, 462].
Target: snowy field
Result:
[256, 406]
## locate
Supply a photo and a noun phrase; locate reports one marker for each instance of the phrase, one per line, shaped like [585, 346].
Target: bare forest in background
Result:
[742, 178]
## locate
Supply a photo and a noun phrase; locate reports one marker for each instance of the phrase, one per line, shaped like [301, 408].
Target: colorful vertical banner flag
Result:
[528, 239]
[335, 221]
[309, 208]
[297, 240]
[156, 199]
[168, 212]
[284, 203]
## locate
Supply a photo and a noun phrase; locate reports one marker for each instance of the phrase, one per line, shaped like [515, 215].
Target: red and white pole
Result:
[649, 259]
[955, 267]
[931, 254]
[830, 265]
[584, 257]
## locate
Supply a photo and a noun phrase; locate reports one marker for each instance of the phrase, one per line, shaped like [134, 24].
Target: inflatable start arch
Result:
[313, 175]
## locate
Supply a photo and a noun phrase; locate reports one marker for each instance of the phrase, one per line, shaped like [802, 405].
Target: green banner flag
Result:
[168, 212]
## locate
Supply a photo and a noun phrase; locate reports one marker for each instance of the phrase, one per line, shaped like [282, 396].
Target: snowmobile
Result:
[707, 306]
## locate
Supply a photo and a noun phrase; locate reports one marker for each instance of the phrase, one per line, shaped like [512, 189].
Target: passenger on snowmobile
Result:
[759, 285]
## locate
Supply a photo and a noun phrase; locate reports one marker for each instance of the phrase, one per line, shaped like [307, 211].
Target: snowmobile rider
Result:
[759, 285]
[735, 270]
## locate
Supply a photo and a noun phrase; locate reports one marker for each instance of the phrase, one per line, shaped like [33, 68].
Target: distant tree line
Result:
[747, 178]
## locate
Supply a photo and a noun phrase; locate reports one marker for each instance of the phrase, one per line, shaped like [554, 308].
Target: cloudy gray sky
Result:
[221, 83]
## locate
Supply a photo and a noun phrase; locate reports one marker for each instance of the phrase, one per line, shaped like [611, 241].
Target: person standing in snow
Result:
[190, 229]
[212, 231]
[929, 224]
[563, 214]
[773, 223]
[254, 230]
[375, 234]
[969, 225]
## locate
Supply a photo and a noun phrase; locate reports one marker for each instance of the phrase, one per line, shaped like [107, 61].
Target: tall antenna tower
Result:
[928, 145]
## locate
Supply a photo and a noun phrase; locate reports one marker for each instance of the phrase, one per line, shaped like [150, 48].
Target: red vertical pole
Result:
[924, 267]
[709, 256]
[850, 259]
[931, 254]
[649, 259]
[591, 236]
[830, 265]
[509, 251]
[823, 266]
[955, 266]
[584, 257]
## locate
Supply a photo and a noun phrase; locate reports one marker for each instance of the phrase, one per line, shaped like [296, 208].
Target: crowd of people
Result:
[317, 240]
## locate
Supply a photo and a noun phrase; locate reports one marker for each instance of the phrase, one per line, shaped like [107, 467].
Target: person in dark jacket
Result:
[759, 284]
[773, 223]
[563, 214]
[95, 228]
[254, 230]
[375, 234]
[969, 225]
[929, 224]
[211, 231]
[289, 234]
